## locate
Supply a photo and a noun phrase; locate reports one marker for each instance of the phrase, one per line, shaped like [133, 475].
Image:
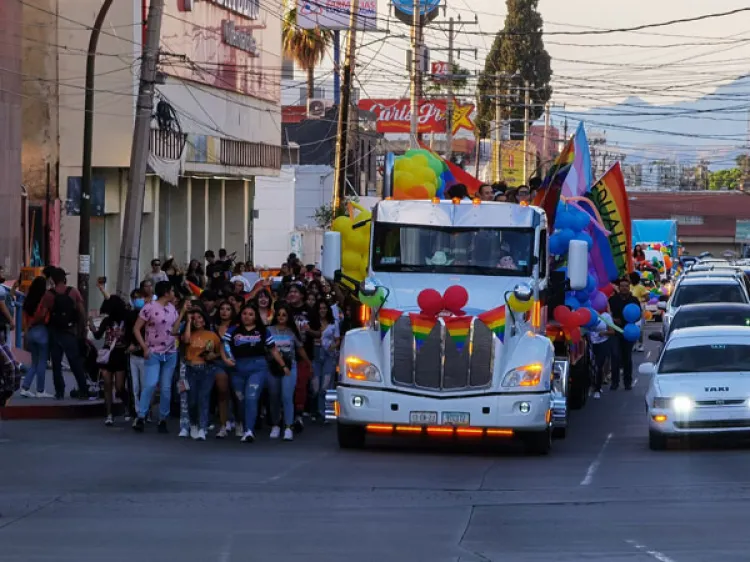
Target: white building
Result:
[224, 128]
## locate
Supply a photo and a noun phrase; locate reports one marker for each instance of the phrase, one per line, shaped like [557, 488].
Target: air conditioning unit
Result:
[316, 108]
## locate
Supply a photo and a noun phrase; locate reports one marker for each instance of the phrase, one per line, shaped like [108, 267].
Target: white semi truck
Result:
[489, 389]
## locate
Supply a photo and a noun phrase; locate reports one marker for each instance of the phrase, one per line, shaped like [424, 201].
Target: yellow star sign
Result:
[462, 116]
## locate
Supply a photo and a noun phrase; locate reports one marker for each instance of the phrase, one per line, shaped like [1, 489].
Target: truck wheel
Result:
[350, 436]
[657, 441]
[539, 442]
[559, 432]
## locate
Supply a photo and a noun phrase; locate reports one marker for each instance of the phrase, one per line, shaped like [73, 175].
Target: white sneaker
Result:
[239, 431]
[201, 435]
[288, 434]
[275, 432]
[109, 420]
[194, 432]
[597, 395]
[184, 433]
[639, 348]
[28, 393]
[248, 436]
[230, 426]
[44, 395]
[222, 433]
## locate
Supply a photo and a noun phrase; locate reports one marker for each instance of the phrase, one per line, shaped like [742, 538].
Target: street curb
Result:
[52, 411]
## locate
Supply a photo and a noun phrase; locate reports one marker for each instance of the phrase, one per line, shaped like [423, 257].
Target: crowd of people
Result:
[498, 192]
[229, 351]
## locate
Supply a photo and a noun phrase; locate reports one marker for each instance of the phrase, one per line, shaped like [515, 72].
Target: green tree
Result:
[517, 55]
[725, 179]
[306, 47]
[459, 79]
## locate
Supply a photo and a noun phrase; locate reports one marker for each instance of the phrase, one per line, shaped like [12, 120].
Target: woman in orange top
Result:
[201, 349]
[36, 337]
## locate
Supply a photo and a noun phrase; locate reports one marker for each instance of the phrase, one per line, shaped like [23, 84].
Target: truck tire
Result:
[579, 388]
[539, 442]
[559, 432]
[350, 436]
[657, 441]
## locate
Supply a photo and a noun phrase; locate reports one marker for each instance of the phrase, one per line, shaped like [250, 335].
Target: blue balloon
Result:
[581, 296]
[567, 235]
[631, 332]
[591, 284]
[581, 220]
[557, 246]
[572, 303]
[631, 313]
[594, 319]
[564, 218]
[584, 237]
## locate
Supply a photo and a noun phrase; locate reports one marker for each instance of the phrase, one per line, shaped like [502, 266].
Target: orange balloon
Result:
[419, 192]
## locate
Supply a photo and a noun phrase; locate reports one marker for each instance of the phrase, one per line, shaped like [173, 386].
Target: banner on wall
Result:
[394, 115]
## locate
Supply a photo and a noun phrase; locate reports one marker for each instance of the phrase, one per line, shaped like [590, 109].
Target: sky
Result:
[662, 65]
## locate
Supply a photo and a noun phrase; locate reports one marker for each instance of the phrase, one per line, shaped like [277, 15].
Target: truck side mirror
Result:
[331, 259]
[578, 264]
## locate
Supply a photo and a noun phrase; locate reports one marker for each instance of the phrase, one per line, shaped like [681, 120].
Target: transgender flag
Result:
[578, 181]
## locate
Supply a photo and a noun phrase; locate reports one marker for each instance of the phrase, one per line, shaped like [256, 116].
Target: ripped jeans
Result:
[248, 382]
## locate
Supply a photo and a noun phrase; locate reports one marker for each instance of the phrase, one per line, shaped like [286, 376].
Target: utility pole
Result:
[498, 167]
[342, 129]
[84, 237]
[526, 107]
[449, 103]
[130, 245]
[545, 140]
[415, 70]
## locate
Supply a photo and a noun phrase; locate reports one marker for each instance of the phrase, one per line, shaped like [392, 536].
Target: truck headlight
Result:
[528, 375]
[682, 404]
[360, 370]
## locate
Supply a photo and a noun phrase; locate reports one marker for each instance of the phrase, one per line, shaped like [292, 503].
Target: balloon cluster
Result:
[355, 242]
[419, 174]
[570, 224]
[631, 314]
[573, 320]
[432, 303]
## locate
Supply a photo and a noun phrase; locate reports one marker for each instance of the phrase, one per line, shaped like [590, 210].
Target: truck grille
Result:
[438, 365]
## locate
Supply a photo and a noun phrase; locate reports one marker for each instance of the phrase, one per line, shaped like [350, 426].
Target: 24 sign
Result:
[440, 70]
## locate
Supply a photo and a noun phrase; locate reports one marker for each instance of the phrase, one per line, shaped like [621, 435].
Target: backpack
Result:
[64, 314]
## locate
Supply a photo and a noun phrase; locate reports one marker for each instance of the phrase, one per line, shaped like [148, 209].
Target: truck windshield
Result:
[469, 251]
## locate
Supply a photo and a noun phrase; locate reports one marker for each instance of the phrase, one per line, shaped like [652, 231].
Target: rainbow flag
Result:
[549, 193]
[495, 320]
[611, 200]
[454, 175]
[421, 326]
[387, 317]
[458, 329]
[195, 289]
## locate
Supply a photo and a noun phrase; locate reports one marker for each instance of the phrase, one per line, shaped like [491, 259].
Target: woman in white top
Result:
[602, 347]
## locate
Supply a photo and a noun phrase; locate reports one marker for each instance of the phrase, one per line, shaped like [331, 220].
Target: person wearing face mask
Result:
[136, 360]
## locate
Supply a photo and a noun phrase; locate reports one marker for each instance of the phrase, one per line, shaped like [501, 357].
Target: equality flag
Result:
[421, 326]
[578, 181]
[495, 320]
[195, 289]
[387, 317]
[458, 329]
[610, 197]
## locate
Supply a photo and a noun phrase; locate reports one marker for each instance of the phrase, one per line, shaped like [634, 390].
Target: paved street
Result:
[78, 492]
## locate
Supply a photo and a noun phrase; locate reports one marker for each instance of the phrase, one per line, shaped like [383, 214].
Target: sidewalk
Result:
[21, 408]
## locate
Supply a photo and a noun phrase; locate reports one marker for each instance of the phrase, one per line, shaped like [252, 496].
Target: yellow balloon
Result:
[403, 180]
[420, 161]
[350, 260]
[359, 241]
[519, 306]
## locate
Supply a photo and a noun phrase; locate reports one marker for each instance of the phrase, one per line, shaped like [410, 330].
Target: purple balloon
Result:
[599, 301]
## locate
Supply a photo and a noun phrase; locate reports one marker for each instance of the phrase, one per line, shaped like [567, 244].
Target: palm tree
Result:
[306, 47]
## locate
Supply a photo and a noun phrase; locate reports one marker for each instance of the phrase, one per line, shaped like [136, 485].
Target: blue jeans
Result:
[281, 395]
[324, 367]
[201, 381]
[37, 339]
[248, 381]
[159, 371]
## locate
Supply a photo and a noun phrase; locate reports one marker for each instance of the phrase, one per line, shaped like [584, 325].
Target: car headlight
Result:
[528, 375]
[360, 370]
[682, 404]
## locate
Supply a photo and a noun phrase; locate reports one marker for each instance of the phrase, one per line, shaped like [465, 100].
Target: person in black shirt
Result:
[622, 350]
[217, 272]
[249, 344]
[209, 300]
[308, 327]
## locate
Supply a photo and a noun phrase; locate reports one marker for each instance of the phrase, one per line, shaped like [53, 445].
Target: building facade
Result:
[216, 125]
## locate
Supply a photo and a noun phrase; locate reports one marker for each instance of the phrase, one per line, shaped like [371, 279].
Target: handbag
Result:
[102, 356]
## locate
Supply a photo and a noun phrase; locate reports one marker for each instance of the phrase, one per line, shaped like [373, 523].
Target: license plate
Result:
[423, 418]
[455, 418]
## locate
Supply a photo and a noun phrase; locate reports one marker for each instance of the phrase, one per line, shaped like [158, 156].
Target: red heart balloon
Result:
[562, 314]
[575, 335]
[583, 316]
[430, 302]
[455, 298]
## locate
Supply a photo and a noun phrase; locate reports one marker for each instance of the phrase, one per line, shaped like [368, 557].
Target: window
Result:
[705, 359]
[543, 254]
[470, 251]
[695, 294]
[287, 69]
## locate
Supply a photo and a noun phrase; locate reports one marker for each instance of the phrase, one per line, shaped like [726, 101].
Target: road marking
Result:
[655, 554]
[226, 552]
[648, 355]
[594, 466]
